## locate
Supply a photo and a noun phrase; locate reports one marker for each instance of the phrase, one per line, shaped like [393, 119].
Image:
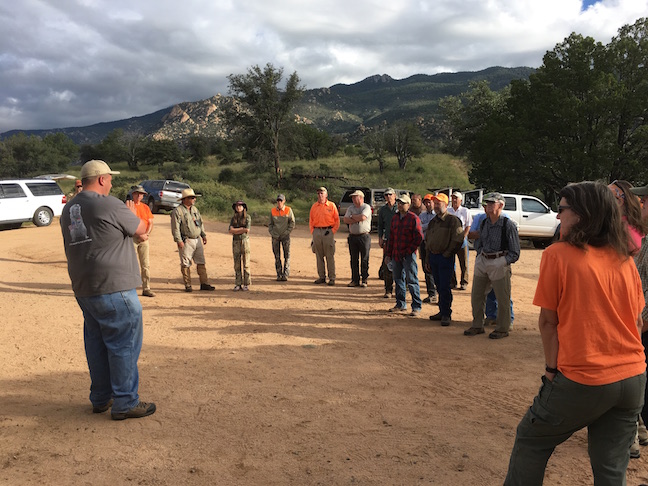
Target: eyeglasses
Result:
[562, 208]
[618, 193]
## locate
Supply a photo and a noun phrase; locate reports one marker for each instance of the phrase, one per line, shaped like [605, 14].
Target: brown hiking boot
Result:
[142, 409]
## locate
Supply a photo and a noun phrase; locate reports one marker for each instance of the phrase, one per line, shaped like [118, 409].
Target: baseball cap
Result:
[358, 192]
[429, 196]
[494, 197]
[281, 197]
[322, 189]
[457, 194]
[404, 198]
[388, 191]
[93, 168]
[441, 197]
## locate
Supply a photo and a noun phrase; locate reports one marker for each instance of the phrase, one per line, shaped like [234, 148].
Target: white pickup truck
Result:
[535, 220]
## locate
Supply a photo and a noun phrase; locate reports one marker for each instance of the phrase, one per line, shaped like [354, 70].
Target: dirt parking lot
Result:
[288, 384]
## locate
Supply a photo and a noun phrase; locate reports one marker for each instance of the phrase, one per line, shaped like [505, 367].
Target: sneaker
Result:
[415, 313]
[148, 293]
[427, 300]
[103, 408]
[445, 321]
[207, 287]
[473, 331]
[331, 282]
[398, 309]
[363, 284]
[142, 409]
[244, 288]
[236, 287]
[388, 295]
[320, 281]
[188, 288]
[353, 284]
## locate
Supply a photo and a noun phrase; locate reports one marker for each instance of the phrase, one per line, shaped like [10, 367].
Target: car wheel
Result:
[43, 216]
[151, 205]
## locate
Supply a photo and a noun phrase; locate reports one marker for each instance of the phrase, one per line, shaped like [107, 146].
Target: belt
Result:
[191, 238]
[358, 234]
[323, 227]
[493, 256]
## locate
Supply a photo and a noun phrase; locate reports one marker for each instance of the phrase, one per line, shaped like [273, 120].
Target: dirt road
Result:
[288, 384]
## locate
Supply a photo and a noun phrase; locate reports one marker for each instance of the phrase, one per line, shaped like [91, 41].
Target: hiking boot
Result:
[188, 288]
[498, 334]
[415, 313]
[353, 284]
[463, 287]
[398, 309]
[284, 278]
[142, 409]
[331, 282]
[473, 331]
[102, 408]
[207, 287]
[363, 284]
[320, 281]
[148, 293]
[436, 317]
[279, 278]
[445, 321]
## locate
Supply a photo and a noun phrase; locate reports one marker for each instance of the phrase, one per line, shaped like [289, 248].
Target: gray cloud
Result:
[77, 62]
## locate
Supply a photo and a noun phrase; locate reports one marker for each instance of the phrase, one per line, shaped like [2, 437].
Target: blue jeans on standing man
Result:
[442, 271]
[406, 271]
[112, 332]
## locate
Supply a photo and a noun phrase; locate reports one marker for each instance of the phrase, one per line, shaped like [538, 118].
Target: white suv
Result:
[35, 200]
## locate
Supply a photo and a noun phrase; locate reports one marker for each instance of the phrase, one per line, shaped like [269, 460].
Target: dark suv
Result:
[163, 194]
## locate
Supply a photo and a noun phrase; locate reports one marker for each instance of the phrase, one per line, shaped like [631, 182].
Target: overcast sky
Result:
[66, 63]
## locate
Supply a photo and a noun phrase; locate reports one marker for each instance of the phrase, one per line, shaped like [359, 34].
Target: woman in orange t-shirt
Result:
[590, 297]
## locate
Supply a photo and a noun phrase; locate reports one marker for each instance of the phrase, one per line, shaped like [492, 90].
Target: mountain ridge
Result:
[339, 109]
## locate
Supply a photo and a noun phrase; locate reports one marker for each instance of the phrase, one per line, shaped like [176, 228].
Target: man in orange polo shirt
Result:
[324, 221]
[143, 212]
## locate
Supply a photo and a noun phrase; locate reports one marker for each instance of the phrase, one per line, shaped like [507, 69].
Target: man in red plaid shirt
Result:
[405, 236]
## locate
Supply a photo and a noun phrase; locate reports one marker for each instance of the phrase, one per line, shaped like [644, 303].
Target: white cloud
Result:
[77, 62]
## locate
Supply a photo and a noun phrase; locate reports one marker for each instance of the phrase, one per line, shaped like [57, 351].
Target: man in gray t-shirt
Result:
[97, 235]
[358, 217]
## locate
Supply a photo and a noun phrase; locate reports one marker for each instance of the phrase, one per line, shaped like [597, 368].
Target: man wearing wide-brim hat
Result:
[142, 242]
[189, 234]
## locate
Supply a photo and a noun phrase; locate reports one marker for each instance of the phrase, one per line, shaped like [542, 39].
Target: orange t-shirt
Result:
[143, 212]
[598, 299]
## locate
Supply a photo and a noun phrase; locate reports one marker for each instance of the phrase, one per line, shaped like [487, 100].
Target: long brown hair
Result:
[239, 218]
[631, 207]
[600, 222]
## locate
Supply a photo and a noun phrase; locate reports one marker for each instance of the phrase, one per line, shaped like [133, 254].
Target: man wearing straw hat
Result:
[189, 234]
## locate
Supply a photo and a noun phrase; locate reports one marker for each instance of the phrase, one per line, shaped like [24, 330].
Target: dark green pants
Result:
[563, 407]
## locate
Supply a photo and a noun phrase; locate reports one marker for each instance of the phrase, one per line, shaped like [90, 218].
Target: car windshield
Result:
[176, 186]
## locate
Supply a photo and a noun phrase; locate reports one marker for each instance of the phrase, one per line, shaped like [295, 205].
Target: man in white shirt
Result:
[462, 213]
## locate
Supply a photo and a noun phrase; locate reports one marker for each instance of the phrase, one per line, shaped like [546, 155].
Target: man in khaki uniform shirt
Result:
[189, 235]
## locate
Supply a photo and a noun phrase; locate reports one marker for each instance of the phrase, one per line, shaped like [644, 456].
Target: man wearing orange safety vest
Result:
[324, 221]
[282, 222]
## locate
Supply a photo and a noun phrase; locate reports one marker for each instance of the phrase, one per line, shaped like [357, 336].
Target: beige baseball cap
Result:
[94, 168]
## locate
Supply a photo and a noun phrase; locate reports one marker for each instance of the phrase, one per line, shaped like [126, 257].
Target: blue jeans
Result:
[112, 332]
[442, 271]
[491, 307]
[404, 271]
